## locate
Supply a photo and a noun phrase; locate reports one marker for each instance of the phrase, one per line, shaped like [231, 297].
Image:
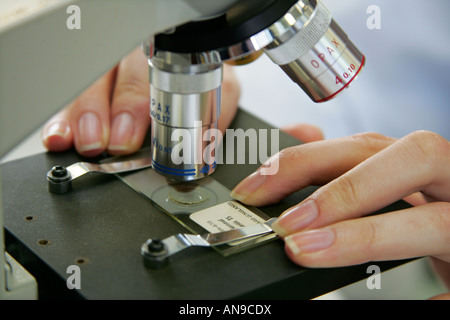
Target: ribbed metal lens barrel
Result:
[184, 104]
[314, 51]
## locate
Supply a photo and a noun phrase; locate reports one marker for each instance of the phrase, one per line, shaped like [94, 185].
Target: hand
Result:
[113, 114]
[361, 174]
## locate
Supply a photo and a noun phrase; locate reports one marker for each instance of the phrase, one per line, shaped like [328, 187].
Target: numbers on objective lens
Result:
[350, 70]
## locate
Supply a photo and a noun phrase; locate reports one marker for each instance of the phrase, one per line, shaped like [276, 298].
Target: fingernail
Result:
[56, 129]
[296, 218]
[310, 241]
[90, 132]
[248, 186]
[122, 131]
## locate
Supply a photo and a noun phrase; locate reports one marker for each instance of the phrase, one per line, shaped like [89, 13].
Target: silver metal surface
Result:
[314, 51]
[178, 153]
[80, 168]
[60, 178]
[178, 242]
[184, 104]
[190, 81]
[182, 110]
[298, 31]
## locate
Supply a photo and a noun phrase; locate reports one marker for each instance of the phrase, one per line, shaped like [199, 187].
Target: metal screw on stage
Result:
[59, 180]
[154, 253]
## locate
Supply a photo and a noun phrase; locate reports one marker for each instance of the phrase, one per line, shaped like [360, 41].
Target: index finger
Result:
[313, 163]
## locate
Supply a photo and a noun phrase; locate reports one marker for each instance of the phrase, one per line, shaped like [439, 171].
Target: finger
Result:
[84, 122]
[409, 233]
[417, 199]
[88, 117]
[130, 114]
[56, 134]
[230, 97]
[308, 164]
[304, 132]
[417, 162]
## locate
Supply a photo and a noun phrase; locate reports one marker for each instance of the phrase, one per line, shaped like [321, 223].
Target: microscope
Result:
[186, 42]
[186, 62]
